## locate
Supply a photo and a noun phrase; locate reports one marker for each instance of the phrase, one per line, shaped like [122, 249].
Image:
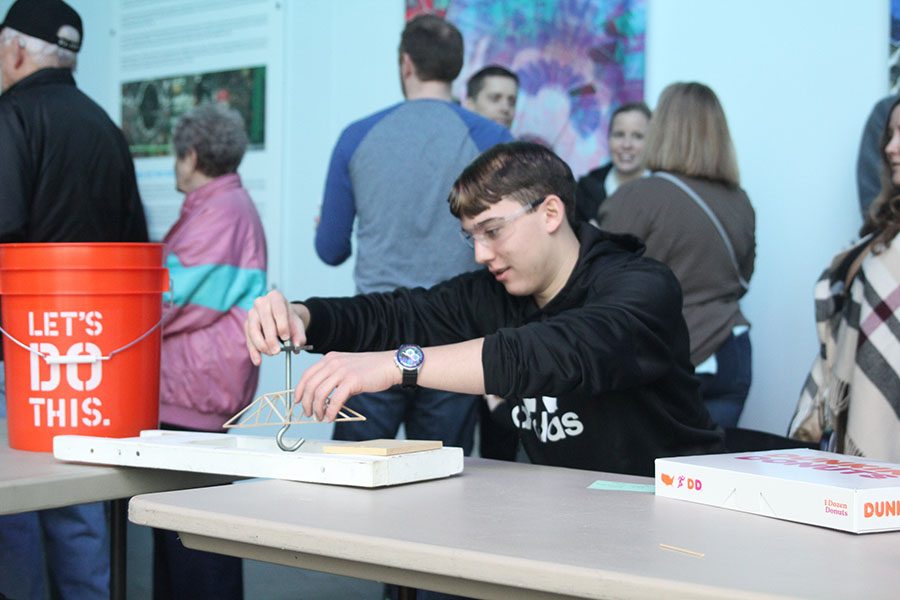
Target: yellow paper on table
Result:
[383, 447]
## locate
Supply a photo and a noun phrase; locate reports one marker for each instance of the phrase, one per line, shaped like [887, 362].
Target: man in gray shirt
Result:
[391, 174]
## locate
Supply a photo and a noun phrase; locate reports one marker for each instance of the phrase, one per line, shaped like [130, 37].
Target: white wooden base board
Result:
[257, 456]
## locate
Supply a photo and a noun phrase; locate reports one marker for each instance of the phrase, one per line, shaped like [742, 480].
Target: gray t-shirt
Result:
[392, 173]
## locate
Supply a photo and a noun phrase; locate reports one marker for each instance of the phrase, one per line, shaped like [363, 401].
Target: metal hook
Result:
[288, 348]
[279, 439]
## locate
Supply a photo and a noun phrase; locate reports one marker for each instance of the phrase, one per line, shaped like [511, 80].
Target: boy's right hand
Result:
[271, 320]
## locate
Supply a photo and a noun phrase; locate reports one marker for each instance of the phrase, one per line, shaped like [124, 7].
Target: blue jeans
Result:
[74, 540]
[426, 414]
[183, 573]
[725, 392]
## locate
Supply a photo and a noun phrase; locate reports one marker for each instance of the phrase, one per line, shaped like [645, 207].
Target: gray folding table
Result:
[36, 480]
[509, 530]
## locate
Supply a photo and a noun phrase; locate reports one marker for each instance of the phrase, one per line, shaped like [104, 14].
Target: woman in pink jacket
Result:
[216, 256]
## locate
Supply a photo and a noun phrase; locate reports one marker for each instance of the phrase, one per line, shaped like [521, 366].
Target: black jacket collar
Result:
[49, 76]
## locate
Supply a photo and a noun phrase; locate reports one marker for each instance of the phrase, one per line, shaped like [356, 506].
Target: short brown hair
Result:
[476, 82]
[689, 135]
[519, 171]
[435, 47]
[640, 107]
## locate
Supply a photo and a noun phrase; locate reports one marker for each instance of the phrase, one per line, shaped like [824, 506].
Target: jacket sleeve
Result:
[204, 292]
[16, 184]
[338, 207]
[589, 193]
[626, 335]
[460, 309]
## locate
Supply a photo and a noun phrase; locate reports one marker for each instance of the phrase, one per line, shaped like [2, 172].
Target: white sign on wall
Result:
[174, 54]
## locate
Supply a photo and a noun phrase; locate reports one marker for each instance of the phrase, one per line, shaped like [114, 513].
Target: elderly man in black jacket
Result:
[580, 333]
[65, 171]
[65, 176]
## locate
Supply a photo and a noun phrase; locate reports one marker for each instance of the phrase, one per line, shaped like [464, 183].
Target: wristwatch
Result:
[409, 359]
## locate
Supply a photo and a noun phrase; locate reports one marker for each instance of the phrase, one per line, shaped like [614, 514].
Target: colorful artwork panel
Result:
[577, 60]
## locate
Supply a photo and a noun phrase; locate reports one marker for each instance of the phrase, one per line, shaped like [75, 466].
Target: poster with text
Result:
[174, 55]
[577, 60]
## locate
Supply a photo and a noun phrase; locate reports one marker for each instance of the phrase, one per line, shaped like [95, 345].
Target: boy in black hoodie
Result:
[582, 335]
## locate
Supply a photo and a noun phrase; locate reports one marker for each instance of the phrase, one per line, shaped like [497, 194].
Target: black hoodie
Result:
[599, 378]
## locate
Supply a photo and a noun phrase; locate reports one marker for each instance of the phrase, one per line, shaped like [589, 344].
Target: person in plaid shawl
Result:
[852, 394]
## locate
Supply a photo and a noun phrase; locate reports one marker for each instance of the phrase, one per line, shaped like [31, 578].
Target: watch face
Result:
[410, 356]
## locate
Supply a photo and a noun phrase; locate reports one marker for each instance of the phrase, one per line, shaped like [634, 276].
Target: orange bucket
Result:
[81, 339]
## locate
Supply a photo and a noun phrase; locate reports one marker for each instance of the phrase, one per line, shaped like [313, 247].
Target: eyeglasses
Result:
[491, 231]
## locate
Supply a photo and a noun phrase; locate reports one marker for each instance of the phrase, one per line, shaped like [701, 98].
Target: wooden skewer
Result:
[683, 550]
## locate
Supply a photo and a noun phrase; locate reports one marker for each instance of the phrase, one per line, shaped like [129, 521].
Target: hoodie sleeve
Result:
[463, 308]
[627, 334]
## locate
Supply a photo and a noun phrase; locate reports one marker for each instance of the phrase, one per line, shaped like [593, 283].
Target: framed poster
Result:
[171, 56]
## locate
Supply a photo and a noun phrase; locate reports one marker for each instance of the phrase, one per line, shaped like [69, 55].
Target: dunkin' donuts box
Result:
[808, 486]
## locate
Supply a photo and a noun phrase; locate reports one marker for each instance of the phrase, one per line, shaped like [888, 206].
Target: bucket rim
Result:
[36, 245]
[82, 268]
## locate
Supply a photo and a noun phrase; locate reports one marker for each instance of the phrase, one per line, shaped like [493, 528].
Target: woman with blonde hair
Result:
[693, 215]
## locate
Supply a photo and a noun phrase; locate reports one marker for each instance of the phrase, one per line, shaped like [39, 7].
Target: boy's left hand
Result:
[325, 387]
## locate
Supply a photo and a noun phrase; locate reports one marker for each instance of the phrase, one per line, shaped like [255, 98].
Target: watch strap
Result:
[410, 377]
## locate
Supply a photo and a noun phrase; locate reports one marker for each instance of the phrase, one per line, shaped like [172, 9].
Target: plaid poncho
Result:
[853, 389]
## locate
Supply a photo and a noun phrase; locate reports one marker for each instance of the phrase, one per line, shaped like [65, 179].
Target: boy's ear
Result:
[555, 210]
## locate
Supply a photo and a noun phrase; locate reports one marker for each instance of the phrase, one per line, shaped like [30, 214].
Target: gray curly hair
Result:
[216, 134]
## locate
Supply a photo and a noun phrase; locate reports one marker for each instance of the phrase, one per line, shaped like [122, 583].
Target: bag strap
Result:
[712, 217]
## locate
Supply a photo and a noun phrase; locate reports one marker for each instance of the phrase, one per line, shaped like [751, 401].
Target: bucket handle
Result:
[87, 359]
[83, 359]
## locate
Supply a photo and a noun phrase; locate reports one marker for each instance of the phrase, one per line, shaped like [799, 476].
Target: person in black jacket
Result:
[65, 176]
[582, 335]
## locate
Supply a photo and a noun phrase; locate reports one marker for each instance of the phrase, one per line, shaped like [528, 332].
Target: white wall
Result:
[341, 66]
[797, 80]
